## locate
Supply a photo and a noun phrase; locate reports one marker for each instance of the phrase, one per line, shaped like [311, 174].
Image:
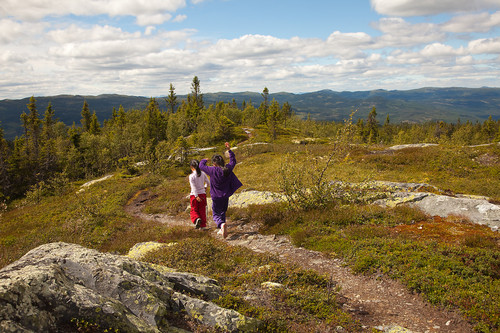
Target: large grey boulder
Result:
[474, 208]
[56, 283]
[477, 210]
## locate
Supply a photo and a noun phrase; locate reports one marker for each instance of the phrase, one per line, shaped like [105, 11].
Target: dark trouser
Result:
[219, 208]
[198, 209]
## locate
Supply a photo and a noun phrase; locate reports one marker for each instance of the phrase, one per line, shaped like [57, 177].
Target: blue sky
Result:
[139, 47]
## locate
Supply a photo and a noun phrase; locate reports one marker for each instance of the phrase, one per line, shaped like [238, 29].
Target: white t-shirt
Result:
[198, 184]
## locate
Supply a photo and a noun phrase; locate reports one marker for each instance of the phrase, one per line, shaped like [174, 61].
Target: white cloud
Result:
[179, 18]
[74, 33]
[485, 46]
[399, 33]
[152, 19]
[430, 7]
[480, 22]
[32, 10]
[53, 57]
[438, 50]
[12, 31]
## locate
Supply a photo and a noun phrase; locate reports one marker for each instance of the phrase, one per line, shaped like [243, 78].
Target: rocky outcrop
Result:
[57, 283]
[479, 211]
[428, 199]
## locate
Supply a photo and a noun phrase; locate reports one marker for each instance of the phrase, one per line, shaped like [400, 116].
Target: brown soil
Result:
[376, 301]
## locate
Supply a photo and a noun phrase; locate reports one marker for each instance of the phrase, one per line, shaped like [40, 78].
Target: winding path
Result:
[375, 301]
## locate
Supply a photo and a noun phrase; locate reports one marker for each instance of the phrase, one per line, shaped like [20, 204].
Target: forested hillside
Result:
[48, 151]
[418, 105]
[322, 168]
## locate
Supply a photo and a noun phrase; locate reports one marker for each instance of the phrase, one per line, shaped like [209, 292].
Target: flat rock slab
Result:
[479, 211]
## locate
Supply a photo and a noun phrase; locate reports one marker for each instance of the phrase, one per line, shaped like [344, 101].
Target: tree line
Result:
[50, 152]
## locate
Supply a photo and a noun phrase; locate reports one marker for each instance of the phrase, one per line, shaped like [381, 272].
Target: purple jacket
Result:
[220, 186]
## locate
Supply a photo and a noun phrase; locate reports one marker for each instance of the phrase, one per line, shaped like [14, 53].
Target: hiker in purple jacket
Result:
[223, 183]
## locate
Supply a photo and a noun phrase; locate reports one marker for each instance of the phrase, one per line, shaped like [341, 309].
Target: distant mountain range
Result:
[418, 105]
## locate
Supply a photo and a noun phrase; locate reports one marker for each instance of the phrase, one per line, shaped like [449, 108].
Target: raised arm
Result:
[204, 167]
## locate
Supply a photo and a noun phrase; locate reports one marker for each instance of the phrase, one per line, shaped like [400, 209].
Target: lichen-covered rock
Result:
[474, 208]
[56, 283]
[252, 197]
[139, 250]
[401, 198]
[479, 211]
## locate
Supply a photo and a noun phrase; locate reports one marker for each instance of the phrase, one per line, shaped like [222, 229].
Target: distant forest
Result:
[50, 152]
[414, 106]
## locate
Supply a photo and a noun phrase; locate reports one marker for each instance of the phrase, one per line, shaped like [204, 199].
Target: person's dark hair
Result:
[196, 165]
[218, 160]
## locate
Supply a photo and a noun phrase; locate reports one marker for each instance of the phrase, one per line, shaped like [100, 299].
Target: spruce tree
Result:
[94, 127]
[489, 129]
[48, 151]
[372, 126]
[156, 123]
[121, 117]
[171, 99]
[286, 111]
[265, 95]
[273, 118]
[86, 117]
[31, 142]
[195, 99]
[4, 168]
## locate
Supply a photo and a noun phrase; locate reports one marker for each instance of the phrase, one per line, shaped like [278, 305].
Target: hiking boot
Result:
[197, 223]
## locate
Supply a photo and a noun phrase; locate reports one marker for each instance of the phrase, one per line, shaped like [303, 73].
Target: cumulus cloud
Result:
[479, 22]
[44, 56]
[485, 46]
[147, 11]
[430, 7]
[397, 32]
[438, 50]
[179, 18]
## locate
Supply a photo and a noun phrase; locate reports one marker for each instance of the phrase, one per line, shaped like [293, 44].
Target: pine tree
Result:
[361, 133]
[489, 129]
[195, 99]
[31, 142]
[387, 130]
[121, 117]
[286, 111]
[114, 116]
[273, 118]
[265, 95]
[20, 171]
[171, 99]
[372, 126]
[95, 127]
[86, 117]
[224, 128]
[48, 152]
[180, 150]
[156, 123]
[4, 168]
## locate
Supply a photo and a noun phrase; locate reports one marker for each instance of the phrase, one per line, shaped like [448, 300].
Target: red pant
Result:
[199, 209]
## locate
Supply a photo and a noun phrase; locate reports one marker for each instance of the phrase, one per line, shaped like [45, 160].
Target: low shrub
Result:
[306, 301]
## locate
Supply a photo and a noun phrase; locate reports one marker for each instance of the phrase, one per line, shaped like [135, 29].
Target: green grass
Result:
[94, 218]
[451, 263]
[459, 271]
[459, 169]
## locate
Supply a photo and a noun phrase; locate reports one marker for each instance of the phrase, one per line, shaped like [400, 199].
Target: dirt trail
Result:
[374, 301]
